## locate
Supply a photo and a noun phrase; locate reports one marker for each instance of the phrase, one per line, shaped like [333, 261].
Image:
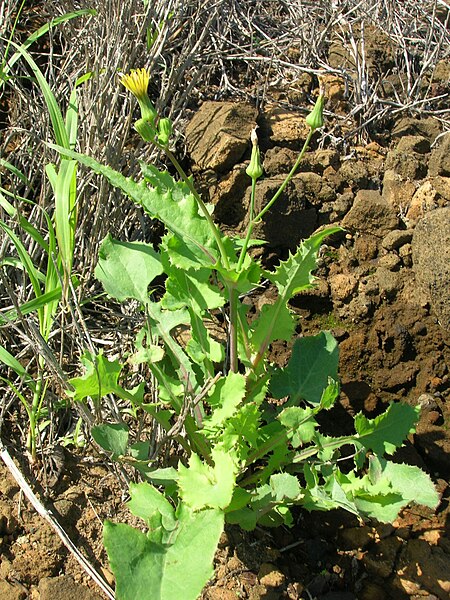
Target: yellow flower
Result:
[137, 83]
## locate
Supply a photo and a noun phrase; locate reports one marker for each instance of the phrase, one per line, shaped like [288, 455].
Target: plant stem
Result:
[250, 226]
[214, 229]
[233, 297]
[254, 221]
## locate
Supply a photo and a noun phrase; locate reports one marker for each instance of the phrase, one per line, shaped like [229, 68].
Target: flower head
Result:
[137, 83]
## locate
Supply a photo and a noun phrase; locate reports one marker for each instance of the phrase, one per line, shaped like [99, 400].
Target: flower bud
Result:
[145, 130]
[315, 117]
[254, 169]
[164, 131]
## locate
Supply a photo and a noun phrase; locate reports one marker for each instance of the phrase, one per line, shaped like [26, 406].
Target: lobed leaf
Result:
[313, 361]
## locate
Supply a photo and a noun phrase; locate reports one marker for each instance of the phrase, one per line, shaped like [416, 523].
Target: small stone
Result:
[397, 238]
[343, 286]
[371, 213]
[390, 261]
[371, 591]
[11, 592]
[270, 576]
[355, 537]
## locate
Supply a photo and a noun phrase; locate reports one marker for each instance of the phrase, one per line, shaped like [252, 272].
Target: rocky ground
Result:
[383, 290]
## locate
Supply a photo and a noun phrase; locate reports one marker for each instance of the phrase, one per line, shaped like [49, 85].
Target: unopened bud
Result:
[164, 131]
[254, 169]
[315, 117]
[145, 130]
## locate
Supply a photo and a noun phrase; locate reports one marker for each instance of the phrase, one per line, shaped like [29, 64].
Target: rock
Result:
[290, 220]
[397, 191]
[270, 576]
[407, 164]
[230, 208]
[352, 538]
[285, 127]
[431, 261]
[442, 71]
[11, 592]
[425, 566]
[400, 375]
[371, 213]
[220, 593]
[219, 134]
[423, 200]
[440, 158]
[64, 588]
[343, 286]
[413, 143]
[390, 261]
[355, 173]
[372, 591]
[428, 128]
[279, 161]
[397, 238]
[381, 562]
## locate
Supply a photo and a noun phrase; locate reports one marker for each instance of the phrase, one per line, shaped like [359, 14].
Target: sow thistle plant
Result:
[247, 460]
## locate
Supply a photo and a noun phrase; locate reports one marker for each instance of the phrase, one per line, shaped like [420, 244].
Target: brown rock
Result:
[440, 158]
[397, 191]
[289, 220]
[220, 593]
[343, 286]
[230, 205]
[428, 128]
[423, 200]
[219, 134]
[355, 537]
[426, 566]
[284, 127]
[431, 261]
[397, 238]
[407, 164]
[64, 588]
[381, 561]
[270, 576]
[11, 592]
[278, 161]
[371, 213]
[371, 591]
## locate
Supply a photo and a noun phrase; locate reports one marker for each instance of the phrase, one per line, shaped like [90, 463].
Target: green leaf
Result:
[313, 361]
[179, 567]
[385, 433]
[194, 245]
[191, 288]
[112, 437]
[294, 275]
[285, 487]
[300, 424]
[126, 269]
[275, 322]
[226, 396]
[100, 379]
[410, 481]
[146, 501]
[202, 485]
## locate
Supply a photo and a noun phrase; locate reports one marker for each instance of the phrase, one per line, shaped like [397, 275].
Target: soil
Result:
[383, 290]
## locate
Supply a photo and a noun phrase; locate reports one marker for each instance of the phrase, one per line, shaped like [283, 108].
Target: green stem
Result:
[254, 221]
[214, 229]
[233, 297]
[286, 181]
[250, 226]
